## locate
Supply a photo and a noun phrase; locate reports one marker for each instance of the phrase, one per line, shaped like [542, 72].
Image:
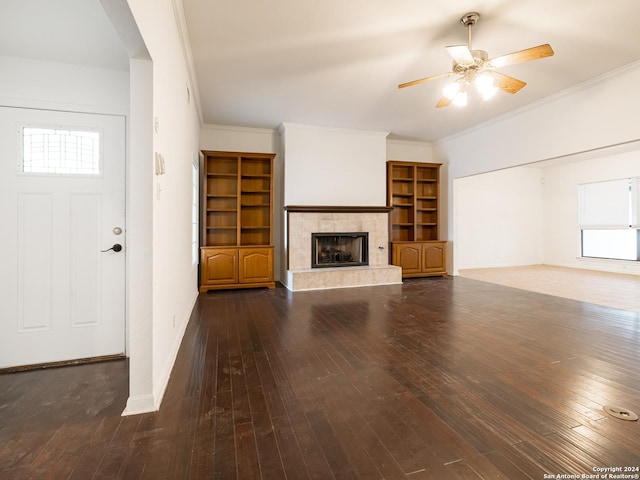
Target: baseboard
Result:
[140, 404]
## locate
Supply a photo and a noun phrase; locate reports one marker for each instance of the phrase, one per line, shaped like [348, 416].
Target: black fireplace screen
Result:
[339, 249]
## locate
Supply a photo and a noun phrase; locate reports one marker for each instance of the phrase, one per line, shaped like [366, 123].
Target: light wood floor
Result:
[601, 288]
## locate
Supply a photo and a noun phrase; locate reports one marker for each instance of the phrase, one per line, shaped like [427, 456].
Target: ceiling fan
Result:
[475, 67]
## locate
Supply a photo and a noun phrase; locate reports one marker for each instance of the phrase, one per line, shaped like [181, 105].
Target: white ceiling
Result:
[66, 31]
[338, 62]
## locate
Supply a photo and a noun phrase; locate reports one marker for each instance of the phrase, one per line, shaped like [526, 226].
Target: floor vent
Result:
[621, 413]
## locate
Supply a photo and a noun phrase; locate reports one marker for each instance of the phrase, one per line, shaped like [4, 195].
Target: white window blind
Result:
[612, 204]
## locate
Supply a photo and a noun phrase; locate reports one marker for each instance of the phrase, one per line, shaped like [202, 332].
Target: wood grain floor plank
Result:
[248, 463]
[224, 466]
[384, 461]
[363, 465]
[202, 456]
[268, 452]
[270, 390]
[290, 454]
[511, 471]
[548, 460]
[605, 450]
[333, 451]
[317, 466]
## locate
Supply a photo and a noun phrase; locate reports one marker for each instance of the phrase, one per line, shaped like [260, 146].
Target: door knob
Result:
[116, 248]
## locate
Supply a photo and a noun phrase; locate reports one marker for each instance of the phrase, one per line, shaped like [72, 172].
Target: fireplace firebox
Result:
[339, 249]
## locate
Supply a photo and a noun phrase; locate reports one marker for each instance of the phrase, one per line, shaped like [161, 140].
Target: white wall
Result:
[529, 215]
[594, 116]
[499, 218]
[561, 240]
[239, 139]
[140, 238]
[60, 86]
[409, 151]
[176, 138]
[333, 166]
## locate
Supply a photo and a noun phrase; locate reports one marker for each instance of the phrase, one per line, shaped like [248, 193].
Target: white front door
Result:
[61, 297]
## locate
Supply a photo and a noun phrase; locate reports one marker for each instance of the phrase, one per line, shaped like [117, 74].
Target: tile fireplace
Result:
[337, 226]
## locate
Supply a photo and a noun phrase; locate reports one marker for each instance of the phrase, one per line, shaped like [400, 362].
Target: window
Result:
[60, 151]
[609, 219]
[194, 214]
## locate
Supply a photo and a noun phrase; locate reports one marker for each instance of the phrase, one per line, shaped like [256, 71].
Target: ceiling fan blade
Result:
[423, 80]
[533, 53]
[507, 83]
[444, 102]
[461, 54]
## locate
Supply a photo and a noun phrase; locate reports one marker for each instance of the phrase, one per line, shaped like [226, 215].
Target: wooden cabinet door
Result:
[433, 257]
[408, 257]
[219, 266]
[256, 265]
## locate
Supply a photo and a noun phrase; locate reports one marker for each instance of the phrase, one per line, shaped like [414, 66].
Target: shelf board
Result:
[255, 175]
[402, 224]
[427, 198]
[256, 227]
[403, 205]
[221, 195]
[402, 179]
[222, 175]
[222, 228]
[427, 224]
[254, 191]
[221, 210]
[402, 194]
[426, 209]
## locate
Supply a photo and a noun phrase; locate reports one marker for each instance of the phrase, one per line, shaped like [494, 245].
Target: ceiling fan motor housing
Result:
[480, 57]
[470, 19]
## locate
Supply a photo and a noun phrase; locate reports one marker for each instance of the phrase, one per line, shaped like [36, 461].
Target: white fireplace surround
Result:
[302, 221]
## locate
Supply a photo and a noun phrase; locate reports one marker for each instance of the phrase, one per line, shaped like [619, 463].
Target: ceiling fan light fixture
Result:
[456, 93]
[485, 85]
[451, 90]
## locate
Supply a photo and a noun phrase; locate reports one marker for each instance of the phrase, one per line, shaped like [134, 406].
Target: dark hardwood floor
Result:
[440, 378]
